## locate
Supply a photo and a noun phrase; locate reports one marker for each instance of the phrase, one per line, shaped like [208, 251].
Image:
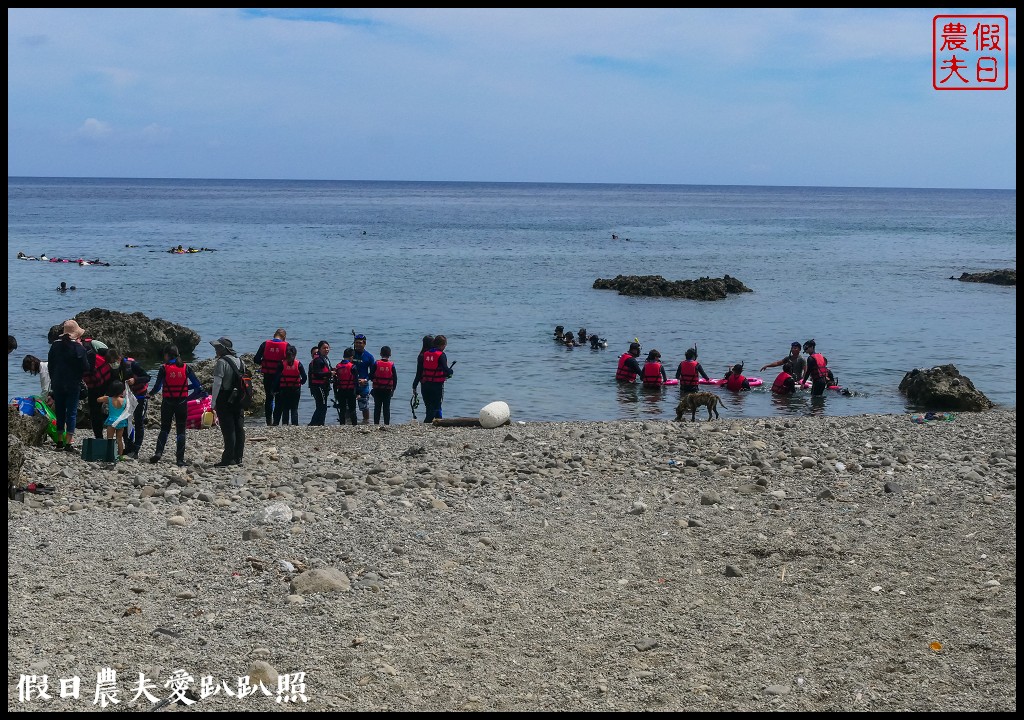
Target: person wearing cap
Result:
[817, 369]
[363, 361]
[68, 364]
[270, 358]
[628, 368]
[174, 380]
[654, 374]
[231, 418]
[796, 362]
[689, 372]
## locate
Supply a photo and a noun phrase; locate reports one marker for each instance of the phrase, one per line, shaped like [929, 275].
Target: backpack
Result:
[241, 391]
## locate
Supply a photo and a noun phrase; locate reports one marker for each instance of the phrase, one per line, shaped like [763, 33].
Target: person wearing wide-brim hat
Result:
[68, 363]
[226, 373]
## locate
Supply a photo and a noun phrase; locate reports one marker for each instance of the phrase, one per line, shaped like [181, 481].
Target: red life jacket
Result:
[319, 371]
[820, 369]
[384, 375]
[688, 372]
[622, 372]
[734, 381]
[431, 367]
[138, 390]
[290, 377]
[344, 378]
[175, 381]
[779, 386]
[100, 375]
[273, 356]
[652, 373]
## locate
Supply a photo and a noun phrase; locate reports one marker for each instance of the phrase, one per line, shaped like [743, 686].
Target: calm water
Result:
[496, 266]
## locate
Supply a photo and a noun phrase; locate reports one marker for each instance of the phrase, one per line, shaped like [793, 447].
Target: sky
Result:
[795, 97]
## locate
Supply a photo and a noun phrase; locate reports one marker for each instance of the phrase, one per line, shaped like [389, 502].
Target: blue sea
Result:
[496, 266]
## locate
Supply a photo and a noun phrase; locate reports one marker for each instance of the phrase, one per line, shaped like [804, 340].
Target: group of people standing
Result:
[795, 370]
[354, 380]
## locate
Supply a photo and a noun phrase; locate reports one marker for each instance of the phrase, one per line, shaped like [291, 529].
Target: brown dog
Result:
[692, 401]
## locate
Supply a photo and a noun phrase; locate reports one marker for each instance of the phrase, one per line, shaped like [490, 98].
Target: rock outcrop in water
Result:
[994, 277]
[705, 288]
[133, 333]
[943, 388]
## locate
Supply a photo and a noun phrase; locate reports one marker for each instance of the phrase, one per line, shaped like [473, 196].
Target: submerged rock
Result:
[705, 288]
[995, 277]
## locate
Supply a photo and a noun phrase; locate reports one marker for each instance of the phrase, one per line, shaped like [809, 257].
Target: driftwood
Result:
[457, 422]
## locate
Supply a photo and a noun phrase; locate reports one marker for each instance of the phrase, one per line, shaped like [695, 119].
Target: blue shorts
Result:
[363, 396]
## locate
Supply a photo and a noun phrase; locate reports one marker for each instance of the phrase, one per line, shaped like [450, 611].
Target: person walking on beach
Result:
[136, 381]
[292, 378]
[363, 361]
[345, 380]
[385, 380]
[428, 342]
[785, 383]
[67, 363]
[689, 372]
[653, 374]
[270, 358]
[817, 369]
[628, 368]
[796, 362]
[231, 416]
[174, 380]
[431, 373]
[320, 382]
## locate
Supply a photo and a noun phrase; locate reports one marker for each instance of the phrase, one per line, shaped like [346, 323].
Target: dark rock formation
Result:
[995, 277]
[134, 334]
[15, 459]
[705, 288]
[29, 429]
[943, 388]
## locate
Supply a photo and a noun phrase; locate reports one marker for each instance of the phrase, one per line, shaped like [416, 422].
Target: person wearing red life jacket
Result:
[385, 380]
[689, 372]
[735, 380]
[346, 383]
[653, 373]
[269, 358]
[97, 382]
[432, 369]
[174, 380]
[817, 369]
[628, 368]
[785, 383]
[290, 382]
[320, 373]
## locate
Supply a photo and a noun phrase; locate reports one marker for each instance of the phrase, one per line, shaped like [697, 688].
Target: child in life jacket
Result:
[785, 383]
[654, 374]
[385, 380]
[735, 380]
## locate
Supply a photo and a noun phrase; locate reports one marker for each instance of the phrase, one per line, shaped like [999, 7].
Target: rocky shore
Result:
[810, 564]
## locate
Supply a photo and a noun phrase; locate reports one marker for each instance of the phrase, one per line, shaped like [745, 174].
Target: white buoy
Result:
[494, 415]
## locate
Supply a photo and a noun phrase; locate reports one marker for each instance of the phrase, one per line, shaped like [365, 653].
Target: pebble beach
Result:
[863, 563]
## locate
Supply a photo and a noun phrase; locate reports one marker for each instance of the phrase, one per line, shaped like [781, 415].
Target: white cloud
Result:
[94, 130]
